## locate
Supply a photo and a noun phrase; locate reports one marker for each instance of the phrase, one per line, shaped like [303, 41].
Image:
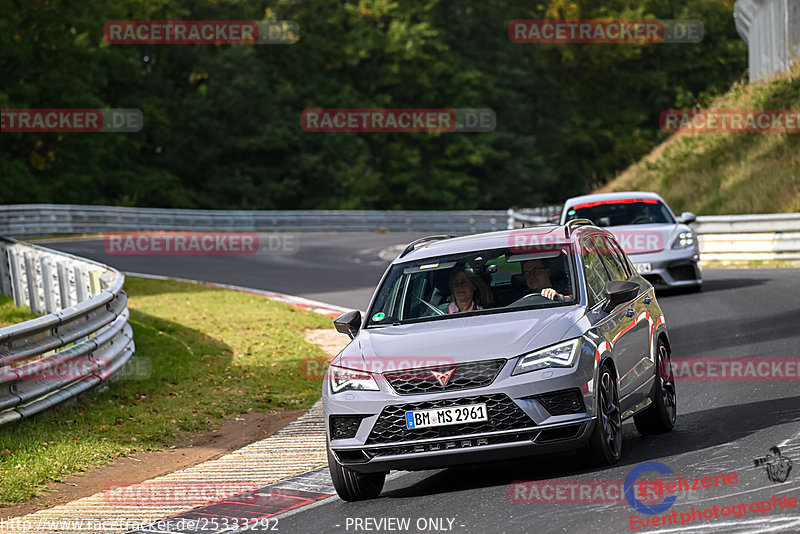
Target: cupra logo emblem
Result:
[443, 377]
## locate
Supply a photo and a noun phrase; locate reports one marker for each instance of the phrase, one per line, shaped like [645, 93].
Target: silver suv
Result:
[495, 346]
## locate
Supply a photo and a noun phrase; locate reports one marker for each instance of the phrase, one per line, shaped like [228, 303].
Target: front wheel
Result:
[605, 444]
[352, 486]
[661, 415]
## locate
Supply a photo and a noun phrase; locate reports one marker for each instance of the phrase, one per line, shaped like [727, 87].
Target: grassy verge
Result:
[10, 314]
[733, 173]
[211, 352]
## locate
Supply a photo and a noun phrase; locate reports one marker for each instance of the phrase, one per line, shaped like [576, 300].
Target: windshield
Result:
[621, 212]
[488, 281]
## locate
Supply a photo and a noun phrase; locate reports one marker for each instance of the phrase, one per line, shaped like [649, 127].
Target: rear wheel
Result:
[352, 486]
[605, 444]
[661, 415]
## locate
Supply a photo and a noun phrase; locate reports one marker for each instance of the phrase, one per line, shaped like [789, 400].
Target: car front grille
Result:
[465, 376]
[563, 402]
[503, 414]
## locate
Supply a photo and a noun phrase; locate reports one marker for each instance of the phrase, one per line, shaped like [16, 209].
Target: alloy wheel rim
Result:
[667, 381]
[610, 415]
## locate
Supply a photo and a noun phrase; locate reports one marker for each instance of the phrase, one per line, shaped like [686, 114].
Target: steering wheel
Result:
[641, 219]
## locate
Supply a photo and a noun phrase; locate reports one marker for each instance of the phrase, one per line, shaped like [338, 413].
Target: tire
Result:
[352, 486]
[662, 413]
[605, 444]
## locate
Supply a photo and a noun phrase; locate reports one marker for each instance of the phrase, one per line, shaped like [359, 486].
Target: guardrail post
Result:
[47, 285]
[33, 287]
[94, 282]
[80, 283]
[63, 284]
[16, 278]
[5, 272]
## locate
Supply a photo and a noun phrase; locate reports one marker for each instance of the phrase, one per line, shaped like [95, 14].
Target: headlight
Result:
[684, 240]
[348, 379]
[560, 355]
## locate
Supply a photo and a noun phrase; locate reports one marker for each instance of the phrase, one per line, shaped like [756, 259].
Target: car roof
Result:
[492, 240]
[612, 196]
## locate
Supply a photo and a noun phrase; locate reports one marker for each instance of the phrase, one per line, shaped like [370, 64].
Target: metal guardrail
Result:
[773, 236]
[83, 340]
[771, 29]
[523, 216]
[29, 220]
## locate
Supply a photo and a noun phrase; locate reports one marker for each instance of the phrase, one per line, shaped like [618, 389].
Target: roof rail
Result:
[576, 222]
[411, 246]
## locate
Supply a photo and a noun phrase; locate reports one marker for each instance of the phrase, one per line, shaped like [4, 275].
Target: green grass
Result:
[212, 352]
[717, 174]
[10, 314]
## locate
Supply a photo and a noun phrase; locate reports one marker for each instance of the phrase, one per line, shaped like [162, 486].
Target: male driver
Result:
[537, 277]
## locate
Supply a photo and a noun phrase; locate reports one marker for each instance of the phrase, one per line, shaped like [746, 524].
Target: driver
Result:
[537, 277]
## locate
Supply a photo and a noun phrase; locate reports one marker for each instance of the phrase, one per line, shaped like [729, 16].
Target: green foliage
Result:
[222, 122]
[715, 174]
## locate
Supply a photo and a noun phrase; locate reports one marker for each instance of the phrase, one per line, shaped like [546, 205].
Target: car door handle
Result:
[648, 299]
[630, 312]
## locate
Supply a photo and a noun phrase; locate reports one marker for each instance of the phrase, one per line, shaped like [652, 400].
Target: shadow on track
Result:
[695, 431]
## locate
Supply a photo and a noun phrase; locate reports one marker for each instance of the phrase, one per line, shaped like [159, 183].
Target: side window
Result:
[615, 267]
[594, 272]
[623, 259]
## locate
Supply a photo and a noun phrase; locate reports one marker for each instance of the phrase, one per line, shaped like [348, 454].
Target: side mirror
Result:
[687, 217]
[619, 291]
[348, 323]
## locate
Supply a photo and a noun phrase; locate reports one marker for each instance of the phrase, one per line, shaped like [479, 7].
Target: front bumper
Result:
[523, 421]
[457, 450]
[671, 268]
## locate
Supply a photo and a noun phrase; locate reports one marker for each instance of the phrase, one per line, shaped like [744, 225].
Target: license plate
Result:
[453, 415]
[643, 267]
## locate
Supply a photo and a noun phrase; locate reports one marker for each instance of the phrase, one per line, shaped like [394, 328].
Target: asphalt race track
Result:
[723, 425]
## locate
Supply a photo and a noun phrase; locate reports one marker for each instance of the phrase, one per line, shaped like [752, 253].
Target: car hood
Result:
[455, 340]
[647, 238]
